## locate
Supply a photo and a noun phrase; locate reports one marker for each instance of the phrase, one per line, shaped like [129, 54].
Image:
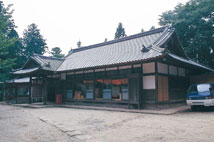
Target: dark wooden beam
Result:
[140, 91]
[45, 91]
[169, 94]
[30, 88]
[16, 94]
[156, 82]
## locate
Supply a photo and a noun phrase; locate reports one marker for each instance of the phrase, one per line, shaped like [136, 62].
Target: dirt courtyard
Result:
[68, 125]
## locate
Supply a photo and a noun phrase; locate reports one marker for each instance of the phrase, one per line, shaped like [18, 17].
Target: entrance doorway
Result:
[163, 93]
[133, 85]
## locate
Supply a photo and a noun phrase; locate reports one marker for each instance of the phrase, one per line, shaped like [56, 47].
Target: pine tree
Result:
[152, 28]
[142, 30]
[17, 50]
[33, 41]
[6, 25]
[56, 52]
[120, 32]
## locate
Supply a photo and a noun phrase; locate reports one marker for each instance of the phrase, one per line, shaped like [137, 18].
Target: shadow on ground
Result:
[202, 109]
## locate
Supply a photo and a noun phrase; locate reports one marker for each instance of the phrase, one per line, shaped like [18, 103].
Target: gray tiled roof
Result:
[123, 50]
[188, 61]
[47, 63]
[26, 71]
[119, 51]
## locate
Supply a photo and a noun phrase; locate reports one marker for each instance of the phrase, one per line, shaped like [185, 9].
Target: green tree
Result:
[17, 50]
[56, 52]
[120, 32]
[194, 24]
[152, 28]
[142, 30]
[6, 26]
[33, 41]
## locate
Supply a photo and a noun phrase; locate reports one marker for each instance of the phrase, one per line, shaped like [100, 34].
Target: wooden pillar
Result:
[44, 91]
[156, 82]
[140, 92]
[168, 84]
[30, 87]
[4, 92]
[15, 87]
[62, 89]
[16, 93]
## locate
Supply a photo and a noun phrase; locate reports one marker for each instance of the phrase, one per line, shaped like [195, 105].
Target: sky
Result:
[65, 22]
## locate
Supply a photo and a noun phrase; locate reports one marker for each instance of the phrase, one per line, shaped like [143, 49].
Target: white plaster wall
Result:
[149, 82]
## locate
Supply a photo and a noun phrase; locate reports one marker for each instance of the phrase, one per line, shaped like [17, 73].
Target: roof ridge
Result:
[47, 57]
[157, 30]
[163, 36]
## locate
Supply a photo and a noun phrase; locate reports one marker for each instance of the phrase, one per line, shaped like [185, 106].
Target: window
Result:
[100, 74]
[149, 82]
[107, 89]
[124, 89]
[98, 90]
[89, 75]
[173, 70]
[69, 94]
[112, 72]
[125, 69]
[119, 89]
[149, 67]
[36, 91]
[78, 76]
[203, 87]
[181, 71]
[162, 68]
[22, 91]
[116, 92]
[200, 88]
[137, 68]
[89, 89]
[80, 90]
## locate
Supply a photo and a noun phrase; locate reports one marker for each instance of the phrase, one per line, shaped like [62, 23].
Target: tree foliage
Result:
[120, 32]
[6, 27]
[33, 41]
[142, 30]
[152, 28]
[56, 52]
[16, 51]
[194, 24]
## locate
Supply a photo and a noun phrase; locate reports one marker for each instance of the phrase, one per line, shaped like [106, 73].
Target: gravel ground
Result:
[66, 124]
[17, 125]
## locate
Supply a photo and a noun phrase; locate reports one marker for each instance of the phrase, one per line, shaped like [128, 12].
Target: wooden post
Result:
[140, 91]
[169, 96]
[45, 91]
[30, 86]
[156, 82]
[16, 93]
[62, 89]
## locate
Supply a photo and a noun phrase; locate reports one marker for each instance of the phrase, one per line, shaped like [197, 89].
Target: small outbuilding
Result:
[18, 90]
